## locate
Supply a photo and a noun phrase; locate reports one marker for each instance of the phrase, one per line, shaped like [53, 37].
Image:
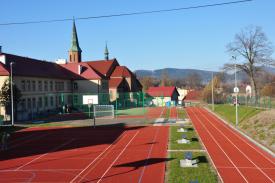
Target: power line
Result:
[125, 14]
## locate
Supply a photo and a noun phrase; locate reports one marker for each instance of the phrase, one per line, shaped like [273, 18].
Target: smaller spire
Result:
[106, 52]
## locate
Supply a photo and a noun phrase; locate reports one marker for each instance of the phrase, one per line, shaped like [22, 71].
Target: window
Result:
[45, 85]
[69, 86]
[23, 85]
[75, 86]
[55, 85]
[33, 102]
[23, 104]
[75, 99]
[51, 86]
[46, 101]
[39, 85]
[62, 87]
[29, 85]
[51, 100]
[40, 102]
[29, 103]
[33, 85]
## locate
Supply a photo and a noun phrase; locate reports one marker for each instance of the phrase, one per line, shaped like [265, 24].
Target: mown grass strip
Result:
[191, 135]
[181, 113]
[202, 173]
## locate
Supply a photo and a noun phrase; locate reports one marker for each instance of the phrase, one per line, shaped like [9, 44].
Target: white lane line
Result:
[204, 147]
[38, 170]
[148, 156]
[205, 117]
[54, 149]
[219, 147]
[229, 167]
[88, 166]
[117, 157]
[29, 140]
[241, 138]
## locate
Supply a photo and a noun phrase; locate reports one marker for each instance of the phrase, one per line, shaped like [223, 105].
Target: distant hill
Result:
[174, 73]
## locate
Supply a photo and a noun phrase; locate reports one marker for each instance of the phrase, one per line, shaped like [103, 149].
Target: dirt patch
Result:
[262, 128]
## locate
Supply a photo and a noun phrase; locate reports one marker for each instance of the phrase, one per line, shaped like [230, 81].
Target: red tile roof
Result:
[86, 71]
[3, 70]
[121, 71]
[32, 67]
[115, 82]
[103, 67]
[192, 95]
[162, 91]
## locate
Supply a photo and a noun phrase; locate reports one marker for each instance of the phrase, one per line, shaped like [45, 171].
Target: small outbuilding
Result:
[164, 95]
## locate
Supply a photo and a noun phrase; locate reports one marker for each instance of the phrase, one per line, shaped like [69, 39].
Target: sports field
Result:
[129, 149]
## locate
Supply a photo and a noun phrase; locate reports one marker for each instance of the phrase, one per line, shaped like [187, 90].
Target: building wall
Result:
[2, 80]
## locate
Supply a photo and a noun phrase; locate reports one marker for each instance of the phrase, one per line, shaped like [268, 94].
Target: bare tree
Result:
[252, 46]
[194, 80]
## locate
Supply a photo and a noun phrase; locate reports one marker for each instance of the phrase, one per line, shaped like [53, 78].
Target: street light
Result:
[236, 91]
[12, 113]
[212, 92]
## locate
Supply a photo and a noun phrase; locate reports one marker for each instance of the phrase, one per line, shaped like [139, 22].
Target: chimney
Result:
[79, 69]
[0, 49]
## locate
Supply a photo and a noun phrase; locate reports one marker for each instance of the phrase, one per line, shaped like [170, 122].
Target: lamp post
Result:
[12, 112]
[236, 91]
[212, 92]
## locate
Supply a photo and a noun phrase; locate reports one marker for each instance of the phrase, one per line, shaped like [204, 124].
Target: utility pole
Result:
[11, 83]
[236, 91]
[213, 108]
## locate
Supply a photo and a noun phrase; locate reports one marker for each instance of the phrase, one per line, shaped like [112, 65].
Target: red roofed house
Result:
[193, 96]
[42, 83]
[164, 95]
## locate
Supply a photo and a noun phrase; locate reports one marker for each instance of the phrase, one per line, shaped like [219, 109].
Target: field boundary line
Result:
[117, 157]
[186, 150]
[245, 135]
[249, 159]
[148, 156]
[54, 149]
[28, 140]
[88, 166]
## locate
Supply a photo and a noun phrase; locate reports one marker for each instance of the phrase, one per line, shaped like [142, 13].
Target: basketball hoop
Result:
[90, 103]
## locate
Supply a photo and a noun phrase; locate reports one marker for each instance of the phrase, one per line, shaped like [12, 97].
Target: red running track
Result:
[136, 154]
[173, 113]
[234, 156]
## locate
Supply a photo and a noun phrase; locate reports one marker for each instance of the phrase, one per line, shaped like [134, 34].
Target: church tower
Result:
[75, 51]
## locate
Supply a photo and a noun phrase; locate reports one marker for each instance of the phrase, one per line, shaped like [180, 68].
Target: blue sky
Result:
[183, 39]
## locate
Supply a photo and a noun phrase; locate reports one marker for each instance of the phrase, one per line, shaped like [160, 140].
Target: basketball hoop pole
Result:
[94, 115]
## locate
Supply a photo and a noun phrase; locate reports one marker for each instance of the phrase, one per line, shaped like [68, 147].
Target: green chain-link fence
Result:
[260, 102]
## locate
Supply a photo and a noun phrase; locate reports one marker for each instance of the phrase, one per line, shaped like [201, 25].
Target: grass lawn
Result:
[181, 113]
[228, 112]
[167, 114]
[202, 173]
[191, 135]
[132, 112]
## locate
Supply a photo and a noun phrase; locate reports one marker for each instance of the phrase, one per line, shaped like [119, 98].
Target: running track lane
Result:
[235, 157]
[141, 158]
[173, 113]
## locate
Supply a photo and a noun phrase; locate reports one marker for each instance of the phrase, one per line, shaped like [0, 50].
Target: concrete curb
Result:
[242, 133]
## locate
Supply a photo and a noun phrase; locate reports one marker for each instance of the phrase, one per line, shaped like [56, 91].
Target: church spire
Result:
[75, 50]
[106, 52]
